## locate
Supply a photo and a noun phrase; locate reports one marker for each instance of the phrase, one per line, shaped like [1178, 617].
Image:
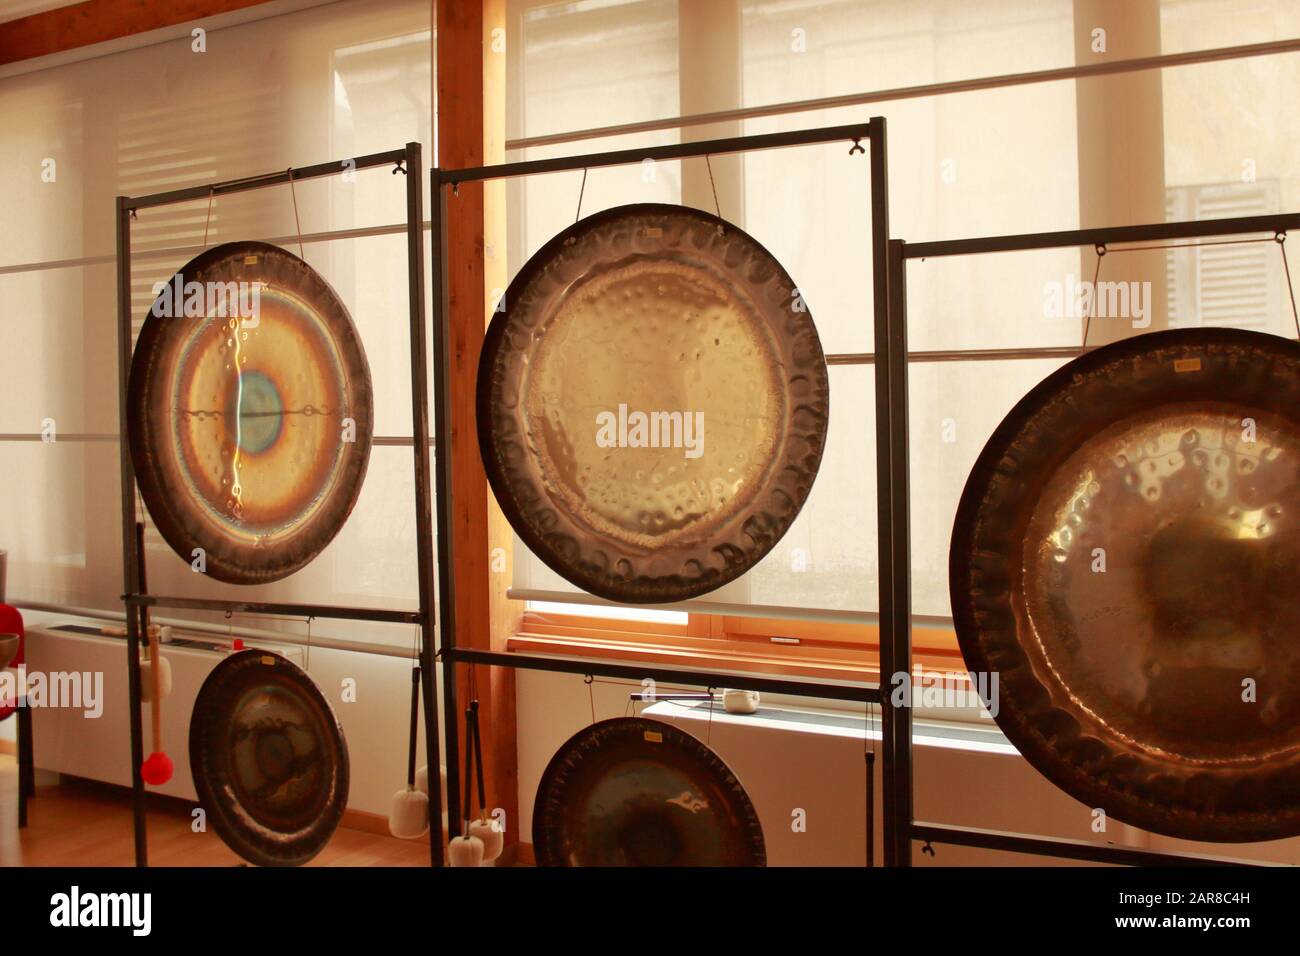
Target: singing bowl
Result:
[1126, 559]
[269, 760]
[250, 434]
[637, 792]
[652, 403]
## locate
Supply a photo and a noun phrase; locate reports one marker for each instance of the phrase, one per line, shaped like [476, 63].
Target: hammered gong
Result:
[1126, 558]
[250, 434]
[268, 757]
[652, 403]
[637, 792]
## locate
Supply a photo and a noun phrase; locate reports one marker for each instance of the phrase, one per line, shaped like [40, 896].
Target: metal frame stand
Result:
[901, 829]
[26, 760]
[872, 132]
[408, 160]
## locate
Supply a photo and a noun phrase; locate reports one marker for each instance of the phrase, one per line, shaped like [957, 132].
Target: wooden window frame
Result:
[810, 649]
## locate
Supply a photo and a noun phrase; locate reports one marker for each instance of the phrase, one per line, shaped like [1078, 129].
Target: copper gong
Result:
[249, 412]
[1126, 558]
[637, 792]
[652, 403]
[268, 759]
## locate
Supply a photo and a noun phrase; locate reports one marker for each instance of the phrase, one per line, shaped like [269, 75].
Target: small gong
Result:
[637, 792]
[269, 760]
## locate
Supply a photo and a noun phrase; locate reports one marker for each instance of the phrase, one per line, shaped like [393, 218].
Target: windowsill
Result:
[974, 736]
[857, 666]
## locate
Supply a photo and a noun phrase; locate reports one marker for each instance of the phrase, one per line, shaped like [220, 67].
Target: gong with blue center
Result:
[249, 412]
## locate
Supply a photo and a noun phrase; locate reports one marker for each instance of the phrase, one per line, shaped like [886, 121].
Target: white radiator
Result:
[805, 755]
[804, 771]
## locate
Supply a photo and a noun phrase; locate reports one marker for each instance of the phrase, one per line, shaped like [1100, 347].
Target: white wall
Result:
[375, 725]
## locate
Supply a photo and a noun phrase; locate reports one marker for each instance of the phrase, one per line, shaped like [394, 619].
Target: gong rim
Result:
[598, 748]
[628, 573]
[1132, 780]
[266, 833]
[169, 484]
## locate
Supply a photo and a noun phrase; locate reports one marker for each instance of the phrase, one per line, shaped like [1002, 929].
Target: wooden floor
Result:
[84, 824]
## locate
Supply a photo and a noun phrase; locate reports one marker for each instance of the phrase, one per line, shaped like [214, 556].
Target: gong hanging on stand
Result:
[269, 761]
[249, 412]
[1126, 558]
[652, 403]
[637, 792]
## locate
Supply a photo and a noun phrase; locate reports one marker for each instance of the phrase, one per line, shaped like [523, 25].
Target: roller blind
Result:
[584, 65]
[329, 82]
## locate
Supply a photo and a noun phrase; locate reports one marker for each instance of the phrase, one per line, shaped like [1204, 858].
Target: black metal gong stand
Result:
[408, 161]
[445, 181]
[901, 828]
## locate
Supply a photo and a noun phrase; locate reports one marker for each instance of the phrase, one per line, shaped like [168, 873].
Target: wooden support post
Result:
[470, 97]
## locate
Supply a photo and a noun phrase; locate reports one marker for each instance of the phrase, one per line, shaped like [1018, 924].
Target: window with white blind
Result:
[333, 81]
[810, 207]
[1240, 283]
[996, 161]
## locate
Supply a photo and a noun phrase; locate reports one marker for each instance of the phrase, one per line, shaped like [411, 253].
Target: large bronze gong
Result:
[637, 792]
[1126, 558]
[268, 758]
[249, 412]
[652, 403]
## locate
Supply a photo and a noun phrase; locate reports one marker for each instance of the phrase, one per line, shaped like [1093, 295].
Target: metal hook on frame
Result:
[399, 167]
[857, 146]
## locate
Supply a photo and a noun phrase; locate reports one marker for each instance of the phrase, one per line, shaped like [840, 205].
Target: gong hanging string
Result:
[1280, 238]
[712, 185]
[708, 730]
[293, 194]
[1092, 301]
[1190, 245]
[208, 221]
[591, 695]
[632, 702]
[581, 189]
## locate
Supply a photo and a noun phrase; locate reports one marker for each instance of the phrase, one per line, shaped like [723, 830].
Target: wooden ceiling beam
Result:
[98, 21]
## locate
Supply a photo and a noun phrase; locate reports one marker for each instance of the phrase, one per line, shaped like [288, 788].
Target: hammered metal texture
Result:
[1126, 556]
[239, 430]
[269, 761]
[637, 792]
[664, 311]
